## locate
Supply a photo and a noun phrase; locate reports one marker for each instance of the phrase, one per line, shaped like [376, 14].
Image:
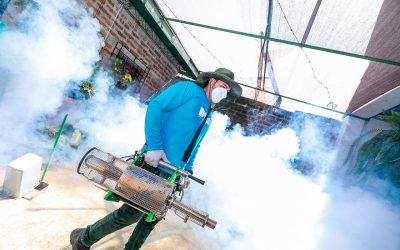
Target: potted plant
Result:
[123, 77]
[124, 81]
[88, 89]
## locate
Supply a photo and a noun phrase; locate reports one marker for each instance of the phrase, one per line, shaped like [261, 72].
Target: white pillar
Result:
[351, 129]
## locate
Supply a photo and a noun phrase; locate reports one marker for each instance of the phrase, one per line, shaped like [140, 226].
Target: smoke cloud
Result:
[113, 123]
[261, 202]
[50, 44]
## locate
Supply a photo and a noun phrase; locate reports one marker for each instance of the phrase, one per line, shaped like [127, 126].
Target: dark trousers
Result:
[120, 218]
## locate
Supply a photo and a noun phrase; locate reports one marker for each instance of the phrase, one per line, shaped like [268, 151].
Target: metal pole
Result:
[267, 35]
[304, 102]
[311, 22]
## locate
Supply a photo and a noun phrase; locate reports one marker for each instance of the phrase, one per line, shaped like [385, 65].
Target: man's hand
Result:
[152, 157]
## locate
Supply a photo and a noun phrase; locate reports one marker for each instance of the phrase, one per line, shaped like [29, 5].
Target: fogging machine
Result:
[140, 188]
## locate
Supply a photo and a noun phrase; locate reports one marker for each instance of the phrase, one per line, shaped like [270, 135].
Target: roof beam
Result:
[369, 58]
[154, 17]
[304, 102]
[311, 22]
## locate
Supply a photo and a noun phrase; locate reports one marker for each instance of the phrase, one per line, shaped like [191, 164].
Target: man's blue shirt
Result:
[172, 119]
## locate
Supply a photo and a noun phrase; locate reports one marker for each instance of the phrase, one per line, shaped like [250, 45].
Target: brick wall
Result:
[131, 30]
[260, 118]
[256, 117]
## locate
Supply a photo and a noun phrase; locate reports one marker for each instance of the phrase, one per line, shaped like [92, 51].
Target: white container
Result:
[22, 175]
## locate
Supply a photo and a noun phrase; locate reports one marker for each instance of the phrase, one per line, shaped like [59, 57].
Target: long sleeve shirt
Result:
[172, 119]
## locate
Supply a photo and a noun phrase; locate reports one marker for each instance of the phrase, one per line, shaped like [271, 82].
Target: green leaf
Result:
[380, 155]
[393, 118]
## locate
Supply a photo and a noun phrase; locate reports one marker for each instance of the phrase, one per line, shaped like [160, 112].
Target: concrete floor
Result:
[71, 201]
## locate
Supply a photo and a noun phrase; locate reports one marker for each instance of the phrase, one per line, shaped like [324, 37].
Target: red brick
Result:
[110, 10]
[127, 27]
[102, 23]
[121, 34]
[113, 33]
[118, 26]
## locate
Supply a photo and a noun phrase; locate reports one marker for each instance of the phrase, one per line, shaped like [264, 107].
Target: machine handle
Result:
[196, 179]
[181, 172]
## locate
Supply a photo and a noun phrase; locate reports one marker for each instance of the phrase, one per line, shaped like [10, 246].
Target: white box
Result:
[22, 175]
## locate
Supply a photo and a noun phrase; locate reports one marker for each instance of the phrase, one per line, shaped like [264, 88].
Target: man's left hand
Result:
[153, 157]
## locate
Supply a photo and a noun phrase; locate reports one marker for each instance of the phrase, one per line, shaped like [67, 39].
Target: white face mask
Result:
[218, 94]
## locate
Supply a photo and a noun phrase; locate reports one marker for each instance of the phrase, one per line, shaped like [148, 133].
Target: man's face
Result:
[215, 83]
[213, 91]
[221, 84]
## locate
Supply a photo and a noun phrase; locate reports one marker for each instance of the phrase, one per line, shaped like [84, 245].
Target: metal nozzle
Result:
[186, 212]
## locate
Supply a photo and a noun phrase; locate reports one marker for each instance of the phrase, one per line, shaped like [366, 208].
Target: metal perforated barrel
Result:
[144, 190]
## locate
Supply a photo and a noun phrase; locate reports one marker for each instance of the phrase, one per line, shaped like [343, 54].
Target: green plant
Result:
[380, 156]
[123, 77]
[117, 66]
[88, 88]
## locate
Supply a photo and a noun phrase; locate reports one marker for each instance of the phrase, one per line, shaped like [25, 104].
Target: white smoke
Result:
[114, 124]
[356, 219]
[49, 45]
[260, 202]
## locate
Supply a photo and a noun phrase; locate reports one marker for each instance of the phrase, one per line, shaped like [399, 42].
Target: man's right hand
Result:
[153, 157]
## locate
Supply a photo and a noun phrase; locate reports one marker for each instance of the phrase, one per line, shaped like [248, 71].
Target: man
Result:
[172, 120]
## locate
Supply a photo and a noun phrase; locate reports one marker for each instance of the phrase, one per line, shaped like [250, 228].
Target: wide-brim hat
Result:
[224, 75]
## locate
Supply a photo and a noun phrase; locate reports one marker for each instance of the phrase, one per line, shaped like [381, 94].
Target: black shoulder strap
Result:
[190, 148]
